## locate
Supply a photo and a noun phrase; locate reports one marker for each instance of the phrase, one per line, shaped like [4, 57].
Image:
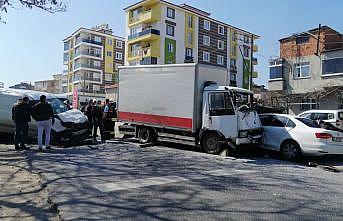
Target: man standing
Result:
[87, 110]
[21, 117]
[44, 116]
[97, 114]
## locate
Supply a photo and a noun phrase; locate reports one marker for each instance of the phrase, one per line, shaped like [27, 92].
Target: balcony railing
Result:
[81, 65]
[80, 40]
[141, 16]
[233, 68]
[144, 32]
[143, 52]
[87, 52]
[81, 78]
[92, 91]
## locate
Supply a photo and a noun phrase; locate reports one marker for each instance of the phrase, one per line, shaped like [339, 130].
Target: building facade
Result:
[54, 86]
[160, 32]
[309, 72]
[92, 57]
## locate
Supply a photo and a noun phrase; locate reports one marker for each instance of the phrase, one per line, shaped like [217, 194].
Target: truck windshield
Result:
[242, 99]
[220, 104]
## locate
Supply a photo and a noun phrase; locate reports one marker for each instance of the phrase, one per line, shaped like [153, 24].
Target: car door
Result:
[275, 131]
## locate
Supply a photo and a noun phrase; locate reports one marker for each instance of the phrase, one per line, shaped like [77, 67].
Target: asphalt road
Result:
[122, 181]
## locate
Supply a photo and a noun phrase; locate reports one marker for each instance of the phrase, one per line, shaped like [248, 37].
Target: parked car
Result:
[296, 136]
[335, 117]
[69, 127]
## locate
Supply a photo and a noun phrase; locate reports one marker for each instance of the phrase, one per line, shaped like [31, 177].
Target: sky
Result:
[31, 46]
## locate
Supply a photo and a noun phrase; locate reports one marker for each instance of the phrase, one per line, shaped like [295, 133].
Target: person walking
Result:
[21, 117]
[43, 113]
[97, 114]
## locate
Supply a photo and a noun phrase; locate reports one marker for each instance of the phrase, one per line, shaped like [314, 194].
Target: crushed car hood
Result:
[74, 116]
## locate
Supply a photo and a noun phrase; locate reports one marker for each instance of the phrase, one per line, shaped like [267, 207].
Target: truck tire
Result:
[146, 135]
[211, 143]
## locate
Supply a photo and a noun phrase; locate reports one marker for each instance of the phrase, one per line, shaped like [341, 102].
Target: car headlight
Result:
[243, 134]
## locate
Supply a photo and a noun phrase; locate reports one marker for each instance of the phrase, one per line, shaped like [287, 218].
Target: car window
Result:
[271, 121]
[305, 115]
[340, 115]
[220, 104]
[320, 116]
[308, 122]
[331, 116]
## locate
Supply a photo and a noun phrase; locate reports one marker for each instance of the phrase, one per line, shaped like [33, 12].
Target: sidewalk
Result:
[22, 197]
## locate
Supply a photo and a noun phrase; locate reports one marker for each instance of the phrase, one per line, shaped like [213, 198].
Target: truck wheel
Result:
[290, 150]
[146, 135]
[211, 143]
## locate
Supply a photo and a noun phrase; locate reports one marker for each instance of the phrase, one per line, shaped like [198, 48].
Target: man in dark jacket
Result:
[97, 114]
[21, 117]
[43, 113]
[87, 110]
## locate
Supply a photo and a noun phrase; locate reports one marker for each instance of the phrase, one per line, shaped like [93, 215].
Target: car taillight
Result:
[338, 123]
[323, 135]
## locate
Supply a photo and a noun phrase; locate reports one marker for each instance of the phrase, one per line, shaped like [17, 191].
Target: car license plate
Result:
[337, 139]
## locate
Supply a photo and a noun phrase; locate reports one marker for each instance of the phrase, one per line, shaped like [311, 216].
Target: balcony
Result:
[92, 91]
[148, 16]
[233, 68]
[88, 79]
[189, 59]
[145, 35]
[89, 41]
[90, 66]
[88, 53]
[143, 53]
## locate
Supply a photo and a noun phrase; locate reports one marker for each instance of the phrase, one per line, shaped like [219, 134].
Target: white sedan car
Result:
[295, 136]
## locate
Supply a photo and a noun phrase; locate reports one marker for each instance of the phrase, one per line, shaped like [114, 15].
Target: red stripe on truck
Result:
[156, 119]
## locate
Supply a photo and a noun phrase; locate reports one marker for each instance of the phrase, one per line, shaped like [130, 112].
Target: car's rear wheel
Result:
[290, 150]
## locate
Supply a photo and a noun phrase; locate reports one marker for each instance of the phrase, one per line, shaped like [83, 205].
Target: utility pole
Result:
[318, 39]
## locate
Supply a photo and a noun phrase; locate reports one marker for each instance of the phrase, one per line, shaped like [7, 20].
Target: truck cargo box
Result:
[167, 96]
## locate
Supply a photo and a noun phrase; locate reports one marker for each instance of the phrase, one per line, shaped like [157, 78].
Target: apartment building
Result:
[92, 57]
[57, 85]
[160, 32]
[308, 74]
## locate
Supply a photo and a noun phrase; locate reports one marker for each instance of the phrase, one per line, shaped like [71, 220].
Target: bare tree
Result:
[51, 6]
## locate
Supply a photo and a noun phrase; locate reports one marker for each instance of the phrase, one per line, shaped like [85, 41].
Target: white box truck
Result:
[188, 103]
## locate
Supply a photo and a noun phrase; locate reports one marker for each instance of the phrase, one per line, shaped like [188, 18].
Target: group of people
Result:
[96, 113]
[41, 112]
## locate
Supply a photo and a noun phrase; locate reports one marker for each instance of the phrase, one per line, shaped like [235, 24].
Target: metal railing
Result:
[144, 32]
[82, 65]
[87, 52]
[80, 40]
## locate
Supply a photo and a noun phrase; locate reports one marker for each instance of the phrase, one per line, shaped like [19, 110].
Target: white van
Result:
[69, 127]
[335, 117]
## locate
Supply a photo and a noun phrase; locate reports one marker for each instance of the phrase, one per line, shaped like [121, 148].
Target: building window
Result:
[119, 44]
[190, 21]
[171, 13]
[220, 59]
[207, 25]
[232, 62]
[275, 72]
[302, 39]
[189, 52]
[206, 56]
[109, 41]
[302, 70]
[66, 46]
[221, 30]
[108, 77]
[96, 88]
[246, 39]
[333, 66]
[220, 45]
[170, 48]
[97, 64]
[206, 40]
[109, 53]
[233, 51]
[246, 51]
[308, 104]
[119, 56]
[97, 39]
[190, 37]
[170, 30]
